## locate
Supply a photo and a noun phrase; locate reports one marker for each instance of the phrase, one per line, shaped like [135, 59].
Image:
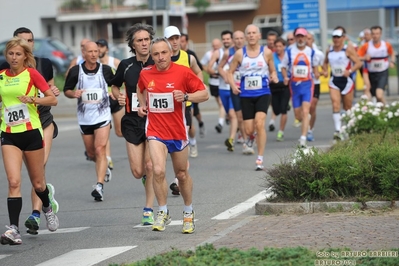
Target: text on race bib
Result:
[338, 71]
[16, 115]
[135, 102]
[92, 95]
[300, 71]
[253, 82]
[237, 77]
[377, 65]
[161, 102]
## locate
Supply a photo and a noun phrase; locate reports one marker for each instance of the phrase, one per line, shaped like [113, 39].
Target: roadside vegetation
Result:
[363, 167]
[208, 255]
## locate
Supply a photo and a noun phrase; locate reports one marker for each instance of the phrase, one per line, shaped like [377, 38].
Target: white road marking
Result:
[86, 257]
[67, 128]
[62, 230]
[3, 256]
[173, 222]
[242, 207]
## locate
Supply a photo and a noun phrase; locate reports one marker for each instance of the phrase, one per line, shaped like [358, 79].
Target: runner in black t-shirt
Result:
[138, 38]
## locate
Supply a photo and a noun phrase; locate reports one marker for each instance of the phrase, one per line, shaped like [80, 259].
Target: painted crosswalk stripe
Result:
[3, 256]
[86, 257]
[242, 207]
[173, 222]
[63, 230]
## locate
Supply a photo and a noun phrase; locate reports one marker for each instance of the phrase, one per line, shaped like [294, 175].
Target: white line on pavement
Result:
[3, 256]
[62, 230]
[86, 257]
[242, 207]
[173, 222]
[67, 128]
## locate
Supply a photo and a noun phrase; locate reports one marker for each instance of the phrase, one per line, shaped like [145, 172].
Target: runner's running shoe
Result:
[32, 223]
[175, 189]
[229, 144]
[52, 220]
[259, 165]
[280, 136]
[188, 223]
[54, 204]
[161, 221]
[97, 192]
[148, 218]
[108, 175]
[11, 236]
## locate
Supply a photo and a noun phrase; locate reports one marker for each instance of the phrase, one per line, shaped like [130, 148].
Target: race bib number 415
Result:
[161, 102]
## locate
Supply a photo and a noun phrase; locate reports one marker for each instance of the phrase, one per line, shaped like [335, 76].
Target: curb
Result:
[263, 207]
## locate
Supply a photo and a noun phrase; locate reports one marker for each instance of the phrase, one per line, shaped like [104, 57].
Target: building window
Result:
[62, 32]
[73, 35]
[214, 28]
[49, 31]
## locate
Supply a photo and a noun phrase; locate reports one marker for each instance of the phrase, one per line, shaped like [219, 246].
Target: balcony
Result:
[72, 10]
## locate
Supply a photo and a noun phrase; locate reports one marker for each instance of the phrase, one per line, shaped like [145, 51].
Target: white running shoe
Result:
[193, 151]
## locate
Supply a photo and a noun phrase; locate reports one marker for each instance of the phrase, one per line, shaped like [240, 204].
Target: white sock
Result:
[221, 121]
[260, 158]
[193, 141]
[337, 121]
[188, 209]
[176, 181]
[280, 131]
[271, 122]
[163, 208]
[109, 158]
[303, 137]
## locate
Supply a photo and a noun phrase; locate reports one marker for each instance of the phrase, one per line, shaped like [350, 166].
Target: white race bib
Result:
[135, 102]
[300, 71]
[161, 102]
[338, 71]
[279, 67]
[377, 65]
[16, 115]
[253, 82]
[92, 95]
[237, 77]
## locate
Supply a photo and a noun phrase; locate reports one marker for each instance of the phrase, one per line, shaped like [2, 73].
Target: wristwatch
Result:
[186, 97]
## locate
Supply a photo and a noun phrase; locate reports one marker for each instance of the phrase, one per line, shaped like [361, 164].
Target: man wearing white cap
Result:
[340, 57]
[181, 57]
[300, 59]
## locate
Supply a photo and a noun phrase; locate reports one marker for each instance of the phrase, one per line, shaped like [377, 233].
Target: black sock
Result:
[14, 209]
[44, 197]
[201, 124]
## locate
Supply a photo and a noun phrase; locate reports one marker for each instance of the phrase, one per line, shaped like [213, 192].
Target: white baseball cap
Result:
[338, 33]
[171, 31]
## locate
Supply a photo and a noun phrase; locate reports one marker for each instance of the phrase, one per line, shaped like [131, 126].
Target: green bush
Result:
[362, 168]
[208, 255]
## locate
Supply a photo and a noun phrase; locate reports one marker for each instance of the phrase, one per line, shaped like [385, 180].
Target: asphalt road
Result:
[100, 233]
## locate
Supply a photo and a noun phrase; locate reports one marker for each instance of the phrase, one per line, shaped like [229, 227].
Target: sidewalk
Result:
[374, 231]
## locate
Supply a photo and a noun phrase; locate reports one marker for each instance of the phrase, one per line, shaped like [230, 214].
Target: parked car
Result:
[55, 50]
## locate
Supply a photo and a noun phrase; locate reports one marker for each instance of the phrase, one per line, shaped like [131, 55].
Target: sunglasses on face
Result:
[290, 39]
[336, 37]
